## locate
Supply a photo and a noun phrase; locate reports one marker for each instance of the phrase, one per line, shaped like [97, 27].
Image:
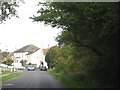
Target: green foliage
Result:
[8, 9]
[8, 62]
[88, 44]
[67, 81]
[23, 62]
[51, 56]
[89, 25]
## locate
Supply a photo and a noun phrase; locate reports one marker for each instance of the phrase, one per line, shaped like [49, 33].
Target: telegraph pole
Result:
[48, 46]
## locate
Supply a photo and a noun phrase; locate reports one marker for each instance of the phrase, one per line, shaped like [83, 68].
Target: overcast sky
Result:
[18, 32]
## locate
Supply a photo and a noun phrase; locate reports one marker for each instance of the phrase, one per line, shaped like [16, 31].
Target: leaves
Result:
[88, 42]
[8, 9]
[87, 24]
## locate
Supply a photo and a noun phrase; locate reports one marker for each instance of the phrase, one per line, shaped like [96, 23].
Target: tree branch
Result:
[79, 44]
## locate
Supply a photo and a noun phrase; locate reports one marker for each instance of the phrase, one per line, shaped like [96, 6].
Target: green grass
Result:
[66, 80]
[6, 72]
[10, 76]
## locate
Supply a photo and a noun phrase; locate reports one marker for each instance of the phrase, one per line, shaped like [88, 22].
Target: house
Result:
[30, 53]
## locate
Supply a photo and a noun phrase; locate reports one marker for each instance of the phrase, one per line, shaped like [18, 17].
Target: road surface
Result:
[33, 79]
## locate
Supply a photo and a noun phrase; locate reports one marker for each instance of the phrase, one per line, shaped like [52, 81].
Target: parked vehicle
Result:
[30, 68]
[43, 68]
[10, 67]
[20, 68]
[3, 65]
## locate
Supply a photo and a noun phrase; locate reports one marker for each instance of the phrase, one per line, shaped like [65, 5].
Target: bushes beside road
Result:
[79, 67]
[88, 44]
[65, 79]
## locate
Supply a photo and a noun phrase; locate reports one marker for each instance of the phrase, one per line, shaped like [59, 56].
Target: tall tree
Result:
[87, 23]
[93, 29]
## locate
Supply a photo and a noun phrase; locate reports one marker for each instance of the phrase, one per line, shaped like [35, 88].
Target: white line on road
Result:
[7, 84]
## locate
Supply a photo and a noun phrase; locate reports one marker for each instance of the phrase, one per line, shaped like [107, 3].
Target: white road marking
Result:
[7, 84]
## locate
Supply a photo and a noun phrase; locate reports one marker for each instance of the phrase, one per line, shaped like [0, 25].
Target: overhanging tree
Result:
[87, 23]
[88, 26]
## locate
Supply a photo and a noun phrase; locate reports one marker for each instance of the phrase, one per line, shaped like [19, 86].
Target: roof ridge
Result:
[28, 48]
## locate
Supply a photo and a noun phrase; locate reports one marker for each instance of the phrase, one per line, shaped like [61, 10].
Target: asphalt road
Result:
[33, 79]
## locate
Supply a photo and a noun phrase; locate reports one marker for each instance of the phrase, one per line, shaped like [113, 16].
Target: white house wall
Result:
[35, 58]
[20, 56]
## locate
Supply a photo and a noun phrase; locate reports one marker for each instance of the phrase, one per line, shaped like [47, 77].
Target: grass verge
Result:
[66, 80]
[6, 72]
[10, 76]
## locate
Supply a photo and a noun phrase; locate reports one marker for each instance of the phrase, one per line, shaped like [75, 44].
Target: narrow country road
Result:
[33, 79]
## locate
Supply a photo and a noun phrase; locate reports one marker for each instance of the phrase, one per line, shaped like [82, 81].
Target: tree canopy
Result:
[89, 25]
[89, 40]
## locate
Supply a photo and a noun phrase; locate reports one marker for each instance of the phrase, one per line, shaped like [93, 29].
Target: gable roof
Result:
[28, 48]
[45, 51]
